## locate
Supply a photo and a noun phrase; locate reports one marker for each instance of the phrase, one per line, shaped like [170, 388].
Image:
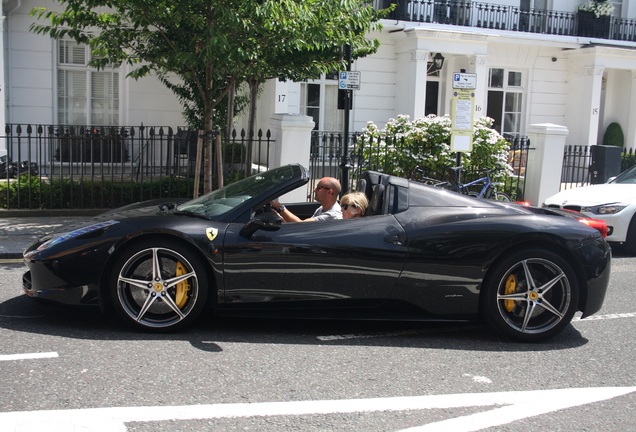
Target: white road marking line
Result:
[8, 357]
[524, 408]
[479, 379]
[510, 406]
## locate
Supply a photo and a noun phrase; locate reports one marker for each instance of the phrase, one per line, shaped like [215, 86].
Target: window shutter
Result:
[72, 97]
[71, 53]
[85, 96]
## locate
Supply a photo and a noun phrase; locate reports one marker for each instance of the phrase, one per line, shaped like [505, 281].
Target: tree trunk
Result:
[208, 151]
[250, 125]
[230, 112]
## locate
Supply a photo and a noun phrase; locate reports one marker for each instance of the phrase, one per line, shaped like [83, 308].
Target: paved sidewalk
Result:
[19, 230]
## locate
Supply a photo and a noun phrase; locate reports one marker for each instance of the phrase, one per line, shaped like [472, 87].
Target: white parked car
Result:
[614, 202]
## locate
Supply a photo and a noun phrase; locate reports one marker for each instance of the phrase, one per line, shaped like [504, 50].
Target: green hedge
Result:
[33, 192]
[628, 160]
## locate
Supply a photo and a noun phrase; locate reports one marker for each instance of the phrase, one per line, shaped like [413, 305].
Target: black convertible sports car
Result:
[421, 253]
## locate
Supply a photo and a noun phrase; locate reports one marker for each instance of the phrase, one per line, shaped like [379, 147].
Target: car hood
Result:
[595, 194]
[162, 207]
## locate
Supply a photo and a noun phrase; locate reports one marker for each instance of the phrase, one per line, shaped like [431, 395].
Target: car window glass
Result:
[628, 177]
[227, 198]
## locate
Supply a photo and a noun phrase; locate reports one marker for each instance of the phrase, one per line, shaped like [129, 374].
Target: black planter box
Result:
[587, 24]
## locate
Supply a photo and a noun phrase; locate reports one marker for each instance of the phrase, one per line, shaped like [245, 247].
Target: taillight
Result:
[598, 224]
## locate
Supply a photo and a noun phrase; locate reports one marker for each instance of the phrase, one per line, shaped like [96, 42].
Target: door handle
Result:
[394, 239]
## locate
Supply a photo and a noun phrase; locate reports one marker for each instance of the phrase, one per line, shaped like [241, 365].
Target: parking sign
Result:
[349, 80]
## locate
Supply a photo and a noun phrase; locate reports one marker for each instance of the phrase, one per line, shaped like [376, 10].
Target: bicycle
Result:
[487, 190]
[418, 175]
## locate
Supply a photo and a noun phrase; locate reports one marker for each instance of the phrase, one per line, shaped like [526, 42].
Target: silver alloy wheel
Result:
[534, 296]
[157, 287]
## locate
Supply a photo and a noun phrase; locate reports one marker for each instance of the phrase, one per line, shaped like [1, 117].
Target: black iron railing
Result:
[54, 166]
[581, 169]
[327, 151]
[514, 18]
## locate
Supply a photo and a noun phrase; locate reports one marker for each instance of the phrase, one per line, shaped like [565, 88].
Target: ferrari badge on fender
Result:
[211, 233]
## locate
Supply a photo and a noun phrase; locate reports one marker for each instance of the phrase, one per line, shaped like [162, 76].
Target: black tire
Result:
[158, 286]
[500, 196]
[530, 295]
[630, 240]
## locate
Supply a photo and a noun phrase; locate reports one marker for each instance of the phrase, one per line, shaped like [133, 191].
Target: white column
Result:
[292, 142]
[419, 62]
[479, 66]
[3, 101]
[630, 133]
[545, 161]
[593, 86]
[583, 104]
[411, 83]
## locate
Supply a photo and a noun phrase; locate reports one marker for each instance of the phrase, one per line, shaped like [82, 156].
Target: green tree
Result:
[201, 49]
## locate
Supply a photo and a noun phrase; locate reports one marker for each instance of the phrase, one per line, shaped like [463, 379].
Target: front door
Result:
[318, 264]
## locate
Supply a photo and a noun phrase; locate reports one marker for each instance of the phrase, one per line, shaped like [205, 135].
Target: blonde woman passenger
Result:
[354, 204]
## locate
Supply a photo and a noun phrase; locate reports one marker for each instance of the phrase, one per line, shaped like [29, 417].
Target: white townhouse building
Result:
[535, 61]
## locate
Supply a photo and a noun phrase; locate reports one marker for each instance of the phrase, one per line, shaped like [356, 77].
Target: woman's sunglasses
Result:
[347, 205]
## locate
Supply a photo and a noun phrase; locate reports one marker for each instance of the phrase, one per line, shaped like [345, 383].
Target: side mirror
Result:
[268, 222]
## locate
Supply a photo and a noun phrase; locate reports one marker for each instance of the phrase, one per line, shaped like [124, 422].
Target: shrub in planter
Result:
[614, 135]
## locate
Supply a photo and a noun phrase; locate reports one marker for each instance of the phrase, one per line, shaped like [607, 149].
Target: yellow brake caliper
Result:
[511, 286]
[181, 295]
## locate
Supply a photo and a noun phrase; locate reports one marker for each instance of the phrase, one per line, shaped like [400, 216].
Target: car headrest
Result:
[362, 186]
[375, 205]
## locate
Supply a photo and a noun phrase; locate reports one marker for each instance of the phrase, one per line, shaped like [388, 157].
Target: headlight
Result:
[605, 209]
[77, 233]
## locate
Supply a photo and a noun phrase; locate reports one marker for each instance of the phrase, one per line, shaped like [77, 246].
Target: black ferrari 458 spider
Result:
[420, 253]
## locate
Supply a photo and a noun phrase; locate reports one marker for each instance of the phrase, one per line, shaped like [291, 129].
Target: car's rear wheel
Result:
[158, 285]
[530, 295]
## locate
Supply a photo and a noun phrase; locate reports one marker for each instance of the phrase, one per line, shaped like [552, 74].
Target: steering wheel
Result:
[266, 209]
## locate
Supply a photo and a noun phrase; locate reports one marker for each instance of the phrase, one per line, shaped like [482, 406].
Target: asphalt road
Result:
[64, 370]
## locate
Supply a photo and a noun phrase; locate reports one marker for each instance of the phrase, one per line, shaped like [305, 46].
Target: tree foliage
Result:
[201, 48]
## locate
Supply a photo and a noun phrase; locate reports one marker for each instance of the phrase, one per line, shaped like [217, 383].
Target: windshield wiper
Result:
[167, 206]
[190, 213]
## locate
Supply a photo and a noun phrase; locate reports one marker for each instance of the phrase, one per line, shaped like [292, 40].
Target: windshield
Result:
[227, 198]
[627, 177]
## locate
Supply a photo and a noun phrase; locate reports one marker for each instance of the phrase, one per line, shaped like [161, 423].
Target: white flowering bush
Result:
[404, 145]
[597, 7]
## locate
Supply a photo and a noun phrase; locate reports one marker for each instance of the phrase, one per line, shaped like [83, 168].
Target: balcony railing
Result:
[503, 17]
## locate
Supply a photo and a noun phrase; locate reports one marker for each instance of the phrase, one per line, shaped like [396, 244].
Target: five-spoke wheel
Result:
[530, 295]
[158, 286]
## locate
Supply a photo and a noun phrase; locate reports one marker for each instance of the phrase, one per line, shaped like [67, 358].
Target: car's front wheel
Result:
[158, 285]
[630, 242]
[530, 295]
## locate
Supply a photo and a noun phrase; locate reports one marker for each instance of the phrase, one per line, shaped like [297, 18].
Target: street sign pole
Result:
[462, 113]
[346, 162]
